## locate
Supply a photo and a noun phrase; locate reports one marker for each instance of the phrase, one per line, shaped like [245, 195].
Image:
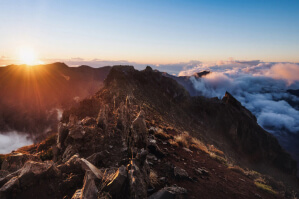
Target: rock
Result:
[102, 120]
[173, 192]
[122, 118]
[69, 152]
[180, 173]
[8, 177]
[3, 173]
[89, 190]
[77, 132]
[137, 182]
[139, 131]
[88, 121]
[202, 171]
[117, 185]
[88, 166]
[63, 132]
[10, 187]
[154, 149]
[16, 161]
[32, 171]
[29, 175]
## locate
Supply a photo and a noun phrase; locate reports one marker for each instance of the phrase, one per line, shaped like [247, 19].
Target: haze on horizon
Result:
[149, 32]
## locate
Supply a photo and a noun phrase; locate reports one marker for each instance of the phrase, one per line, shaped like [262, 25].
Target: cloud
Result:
[260, 87]
[13, 140]
[287, 71]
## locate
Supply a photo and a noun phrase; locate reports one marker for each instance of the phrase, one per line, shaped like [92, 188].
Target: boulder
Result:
[69, 152]
[11, 186]
[180, 173]
[16, 161]
[89, 190]
[173, 192]
[137, 181]
[116, 186]
[88, 166]
[32, 171]
[77, 132]
[154, 149]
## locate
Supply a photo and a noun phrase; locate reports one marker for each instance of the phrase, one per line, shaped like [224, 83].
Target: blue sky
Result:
[158, 32]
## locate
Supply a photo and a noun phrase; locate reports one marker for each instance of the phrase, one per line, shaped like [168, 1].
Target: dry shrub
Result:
[237, 169]
[265, 187]
[153, 177]
[159, 133]
[174, 143]
[218, 158]
[215, 150]
[197, 144]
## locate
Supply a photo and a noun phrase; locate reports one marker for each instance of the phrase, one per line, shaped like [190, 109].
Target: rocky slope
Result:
[142, 135]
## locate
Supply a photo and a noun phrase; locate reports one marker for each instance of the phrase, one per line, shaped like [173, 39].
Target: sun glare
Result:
[28, 56]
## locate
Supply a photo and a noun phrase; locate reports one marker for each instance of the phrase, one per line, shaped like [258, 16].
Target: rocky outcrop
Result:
[16, 161]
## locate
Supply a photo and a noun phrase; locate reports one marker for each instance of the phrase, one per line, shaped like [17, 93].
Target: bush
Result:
[265, 187]
[159, 133]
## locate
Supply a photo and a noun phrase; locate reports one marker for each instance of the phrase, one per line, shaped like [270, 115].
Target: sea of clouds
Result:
[13, 140]
[259, 86]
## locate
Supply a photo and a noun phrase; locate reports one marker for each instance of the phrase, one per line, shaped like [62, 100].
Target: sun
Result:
[28, 56]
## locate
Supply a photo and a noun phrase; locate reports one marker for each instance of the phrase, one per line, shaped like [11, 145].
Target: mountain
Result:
[186, 82]
[143, 135]
[31, 95]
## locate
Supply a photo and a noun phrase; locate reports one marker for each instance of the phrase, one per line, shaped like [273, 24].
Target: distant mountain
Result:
[187, 83]
[31, 95]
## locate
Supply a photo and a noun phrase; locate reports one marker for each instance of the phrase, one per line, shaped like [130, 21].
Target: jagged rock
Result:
[29, 174]
[137, 181]
[8, 177]
[117, 184]
[63, 132]
[122, 119]
[99, 159]
[34, 170]
[77, 132]
[88, 166]
[73, 165]
[11, 186]
[173, 192]
[180, 173]
[154, 148]
[102, 120]
[69, 152]
[16, 161]
[139, 131]
[88, 121]
[89, 190]
[3, 173]
[202, 171]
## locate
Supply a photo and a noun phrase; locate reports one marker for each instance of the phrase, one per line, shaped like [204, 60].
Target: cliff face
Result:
[130, 140]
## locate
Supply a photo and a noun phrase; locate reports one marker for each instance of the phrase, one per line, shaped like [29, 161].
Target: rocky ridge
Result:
[127, 141]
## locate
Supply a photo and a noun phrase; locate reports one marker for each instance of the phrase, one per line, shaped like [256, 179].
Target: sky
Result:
[150, 32]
